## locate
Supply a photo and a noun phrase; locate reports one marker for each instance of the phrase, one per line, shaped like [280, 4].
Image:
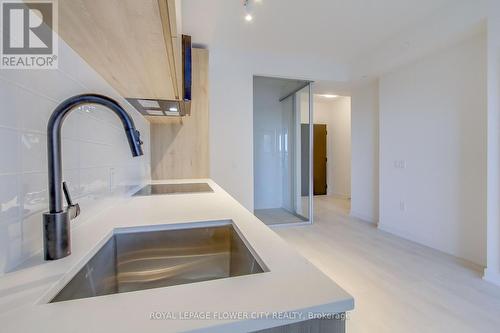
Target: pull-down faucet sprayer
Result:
[56, 222]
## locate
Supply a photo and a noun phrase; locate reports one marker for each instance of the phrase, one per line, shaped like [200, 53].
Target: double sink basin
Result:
[133, 260]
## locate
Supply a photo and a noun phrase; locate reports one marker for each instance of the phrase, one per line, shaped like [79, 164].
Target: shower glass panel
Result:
[282, 159]
[303, 146]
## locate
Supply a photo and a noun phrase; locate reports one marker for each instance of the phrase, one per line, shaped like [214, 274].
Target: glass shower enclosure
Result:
[282, 151]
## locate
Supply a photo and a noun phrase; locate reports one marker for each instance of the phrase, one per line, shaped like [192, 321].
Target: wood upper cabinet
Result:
[179, 146]
[133, 44]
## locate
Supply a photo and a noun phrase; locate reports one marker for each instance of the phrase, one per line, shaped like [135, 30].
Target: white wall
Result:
[492, 273]
[433, 118]
[365, 152]
[231, 126]
[95, 150]
[336, 114]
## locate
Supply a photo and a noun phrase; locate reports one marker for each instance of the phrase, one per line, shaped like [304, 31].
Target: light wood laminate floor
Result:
[398, 286]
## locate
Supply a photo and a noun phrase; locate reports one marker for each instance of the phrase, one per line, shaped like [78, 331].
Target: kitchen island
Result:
[289, 292]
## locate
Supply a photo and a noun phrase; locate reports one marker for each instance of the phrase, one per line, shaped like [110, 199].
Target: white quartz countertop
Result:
[292, 289]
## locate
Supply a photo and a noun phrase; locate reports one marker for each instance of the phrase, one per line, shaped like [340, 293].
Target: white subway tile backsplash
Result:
[102, 115]
[71, 153]
[96, 158]
[10, 161]
[34, 152]
[10, 200]
[95, 130]
[31, 235]
[120, 152]
[71, 127]
[94, 155]
[34, 193]
[9, 117]
[10, 245]
[72, 179]
[23, 109]
[95, 181]
[53, 84]
[34, 119]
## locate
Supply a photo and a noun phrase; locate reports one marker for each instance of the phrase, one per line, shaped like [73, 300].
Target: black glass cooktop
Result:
[155, 189]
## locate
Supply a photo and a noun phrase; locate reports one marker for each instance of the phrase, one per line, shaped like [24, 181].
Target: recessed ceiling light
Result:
[329, 96]
[248, 10]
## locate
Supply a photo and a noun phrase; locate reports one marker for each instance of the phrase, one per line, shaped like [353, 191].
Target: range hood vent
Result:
[171, 108]
[160, 107]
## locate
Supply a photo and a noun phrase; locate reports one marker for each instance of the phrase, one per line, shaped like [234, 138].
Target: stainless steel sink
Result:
[155, 189]
[135, 260]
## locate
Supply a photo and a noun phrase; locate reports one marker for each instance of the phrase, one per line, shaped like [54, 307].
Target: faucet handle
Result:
[139, 141]
[66, 194]
[73, 209]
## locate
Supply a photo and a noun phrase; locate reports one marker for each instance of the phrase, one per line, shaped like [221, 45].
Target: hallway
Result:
[399, 286]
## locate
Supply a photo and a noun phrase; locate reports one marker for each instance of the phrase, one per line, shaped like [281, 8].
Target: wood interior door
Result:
[320, 159]
[304, 153]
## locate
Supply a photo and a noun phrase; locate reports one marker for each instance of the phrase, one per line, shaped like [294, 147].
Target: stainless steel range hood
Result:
[161, 107]
[171, 108]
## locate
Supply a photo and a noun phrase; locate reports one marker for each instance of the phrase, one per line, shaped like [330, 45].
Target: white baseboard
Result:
[492, 277]
[409, 237]
[402, 234]
[363, 217]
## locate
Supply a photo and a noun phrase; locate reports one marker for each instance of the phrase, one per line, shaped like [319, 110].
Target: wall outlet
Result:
[400, 164]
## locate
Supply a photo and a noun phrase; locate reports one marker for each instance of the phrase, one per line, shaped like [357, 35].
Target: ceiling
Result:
[337, 44]
[284, 86]
[331, 87]
[338, 30]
